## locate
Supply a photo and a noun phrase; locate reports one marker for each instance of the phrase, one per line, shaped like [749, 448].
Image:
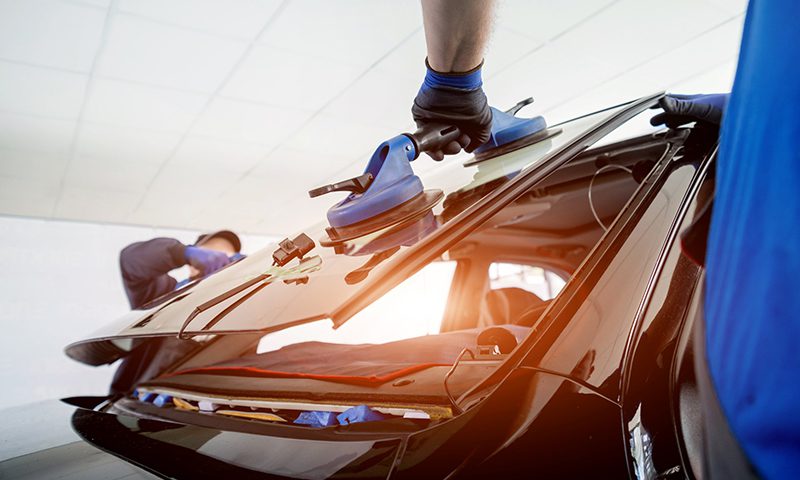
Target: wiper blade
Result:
[306, 266]
[219, 299]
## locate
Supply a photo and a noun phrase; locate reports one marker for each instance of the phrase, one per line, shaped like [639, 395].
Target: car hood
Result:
[335, 283]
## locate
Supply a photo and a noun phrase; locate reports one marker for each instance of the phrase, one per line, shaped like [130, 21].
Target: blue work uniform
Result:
[145, 267]
[753, 262]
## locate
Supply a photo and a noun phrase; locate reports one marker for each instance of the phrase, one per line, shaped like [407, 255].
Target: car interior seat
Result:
[506, 305]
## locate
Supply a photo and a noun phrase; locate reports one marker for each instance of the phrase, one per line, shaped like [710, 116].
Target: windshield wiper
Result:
[221, 298]
[287, 251]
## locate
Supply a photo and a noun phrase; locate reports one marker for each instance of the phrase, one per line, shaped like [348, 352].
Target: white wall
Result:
[58, 282]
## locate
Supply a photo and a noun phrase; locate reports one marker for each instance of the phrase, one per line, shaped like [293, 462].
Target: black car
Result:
[537, 322]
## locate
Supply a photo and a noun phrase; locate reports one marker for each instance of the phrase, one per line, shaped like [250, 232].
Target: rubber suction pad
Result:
[418, 205]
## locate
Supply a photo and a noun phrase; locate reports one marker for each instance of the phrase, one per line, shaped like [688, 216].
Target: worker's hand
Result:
[682, 109]
[455, 99]
[206, 260]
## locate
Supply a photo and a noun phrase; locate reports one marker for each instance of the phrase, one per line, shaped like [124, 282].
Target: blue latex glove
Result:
[205, 260]
[455, 99]
[682, 109]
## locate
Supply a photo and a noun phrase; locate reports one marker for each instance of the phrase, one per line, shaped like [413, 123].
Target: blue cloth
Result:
[316, 419]
[753, 262]
[361, 413]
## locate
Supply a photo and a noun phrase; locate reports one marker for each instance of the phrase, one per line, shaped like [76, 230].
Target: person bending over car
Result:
[145, 268]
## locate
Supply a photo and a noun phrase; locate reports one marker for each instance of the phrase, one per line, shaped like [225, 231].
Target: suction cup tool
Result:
[405, 212]
[388, 192]
[511, 133]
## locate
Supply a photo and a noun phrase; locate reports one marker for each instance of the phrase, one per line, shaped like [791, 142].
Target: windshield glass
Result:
[328, 277]
[438, 331]
[412, 309]
[492, 285]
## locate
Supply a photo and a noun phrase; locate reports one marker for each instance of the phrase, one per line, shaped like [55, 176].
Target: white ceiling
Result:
[222, 113]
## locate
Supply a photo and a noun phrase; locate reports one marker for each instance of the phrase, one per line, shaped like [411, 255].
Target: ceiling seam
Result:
[25, 63]
[107, 23]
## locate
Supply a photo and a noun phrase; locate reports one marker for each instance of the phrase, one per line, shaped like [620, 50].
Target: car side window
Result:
[544, 283]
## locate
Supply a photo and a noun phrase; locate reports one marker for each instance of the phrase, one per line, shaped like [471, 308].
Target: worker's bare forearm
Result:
[456, 32]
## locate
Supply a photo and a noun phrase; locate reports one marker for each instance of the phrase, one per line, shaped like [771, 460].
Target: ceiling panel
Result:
[40, 134]
[164, 208]
[95, 205]
[162, 55]
[192, 183]
[236, 157]
[132, 105]
[41, 91]
[407, 58]
[233, 18]
[717, 79]
[27, 197]
[567, 73]
[544, 20]
[506, 47]
[625, 33]
[128, 144]
[283, 78]
[730, 6]
[662, 72]
[381, 98]
[109, 174]
[344, 136]
[354, 32]
[50, 33]
[249, 122]
[298, 168]
[32, 166]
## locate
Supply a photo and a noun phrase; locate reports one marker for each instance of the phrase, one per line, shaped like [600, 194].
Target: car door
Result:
[652, 401]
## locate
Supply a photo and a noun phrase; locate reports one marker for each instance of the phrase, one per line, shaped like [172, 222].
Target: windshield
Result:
[329, 278]
[438, 332]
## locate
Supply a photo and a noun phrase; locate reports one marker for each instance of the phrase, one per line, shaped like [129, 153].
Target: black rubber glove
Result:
[682, 109]
[455, 99]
